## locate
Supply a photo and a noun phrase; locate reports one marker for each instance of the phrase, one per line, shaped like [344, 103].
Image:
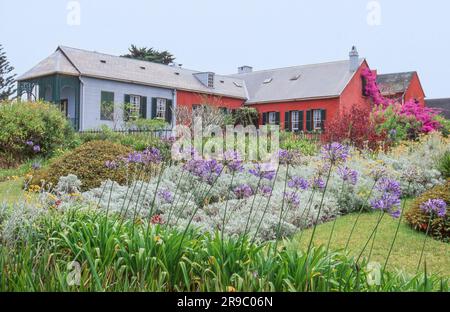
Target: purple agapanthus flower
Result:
[151, 155]
[390, 186]
[134, 158]
[265, 190]
[233, 161]
[36, 148]
[285, 157]
[348, 175]
[388, 203]
[319, 183]
[243, 191]
[438, 206]
[36, 166]
[29, 143]
[292, 198]
[166, 195]
[298, 183]
[261, 173]
[335, 152]
[111, 164]
[206, 170]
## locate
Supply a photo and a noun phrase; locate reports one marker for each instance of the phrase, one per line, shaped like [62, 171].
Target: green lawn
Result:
[406, 252]
[11, 191]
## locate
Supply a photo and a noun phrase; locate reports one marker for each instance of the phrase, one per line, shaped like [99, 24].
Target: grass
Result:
[11, 191]
[406, 252]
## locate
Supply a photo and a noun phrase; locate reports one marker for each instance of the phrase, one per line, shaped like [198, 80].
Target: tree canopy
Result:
[7, 80]
[150, 55]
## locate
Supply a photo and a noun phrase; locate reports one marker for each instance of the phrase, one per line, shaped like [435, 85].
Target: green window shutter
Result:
[153, 108]
[277, 118]
[300, 119]
[264, 118]
[287, 121]
[169, 111]
[309, 121]
[323, 118]
[127, 108]
[143, 108]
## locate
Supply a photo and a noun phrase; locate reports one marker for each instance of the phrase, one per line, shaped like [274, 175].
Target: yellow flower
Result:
[231, 289]
[212, 260]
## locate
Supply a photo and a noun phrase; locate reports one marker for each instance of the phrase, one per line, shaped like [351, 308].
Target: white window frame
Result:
[135, 104]
[295, 120]
[272, 118]
[161, 106]
[317, 119]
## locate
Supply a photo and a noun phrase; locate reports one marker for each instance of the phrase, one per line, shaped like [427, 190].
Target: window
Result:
[295, 120]
[135, 104]
[161, 105]
[272, 118]
[317, 119]
[210, 80]
[107, 106]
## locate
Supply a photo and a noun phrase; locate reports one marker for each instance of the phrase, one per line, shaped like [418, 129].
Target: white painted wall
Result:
[91, 98]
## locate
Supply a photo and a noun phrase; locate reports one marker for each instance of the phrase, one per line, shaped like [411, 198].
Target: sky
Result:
[220, 35]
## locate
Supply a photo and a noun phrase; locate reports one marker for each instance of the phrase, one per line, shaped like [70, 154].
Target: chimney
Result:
[245, 69]
[354, 59]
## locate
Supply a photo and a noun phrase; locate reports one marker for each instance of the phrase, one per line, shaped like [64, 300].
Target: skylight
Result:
[103, 61]
[268, 80]
[296, 77]
[237, 84]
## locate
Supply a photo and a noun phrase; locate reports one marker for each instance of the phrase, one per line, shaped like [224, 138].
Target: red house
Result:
[305, 98]
[402, 87]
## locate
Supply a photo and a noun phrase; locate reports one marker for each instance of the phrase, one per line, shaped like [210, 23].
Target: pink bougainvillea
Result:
[424, 115]
[410, 108]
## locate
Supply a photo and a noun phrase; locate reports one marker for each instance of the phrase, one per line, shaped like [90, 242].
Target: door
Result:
[64, 107]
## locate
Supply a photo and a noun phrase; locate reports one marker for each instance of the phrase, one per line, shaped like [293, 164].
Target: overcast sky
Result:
[220, 35]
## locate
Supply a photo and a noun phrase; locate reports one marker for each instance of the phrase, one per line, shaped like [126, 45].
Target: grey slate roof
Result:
[394, 83]
[441, 104]
[276, 85]
[55, 63]
[90, 64]
[313, 81]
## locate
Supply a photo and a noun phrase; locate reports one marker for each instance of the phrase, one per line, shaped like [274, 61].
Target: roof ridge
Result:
[399, 73]
[295, 66]
[193, 71]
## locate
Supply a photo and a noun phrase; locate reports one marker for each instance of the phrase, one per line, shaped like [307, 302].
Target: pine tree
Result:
[7, 80]
[150, 55]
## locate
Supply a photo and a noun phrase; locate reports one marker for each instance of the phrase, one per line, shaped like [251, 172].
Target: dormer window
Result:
[210, 80]
[207, 79]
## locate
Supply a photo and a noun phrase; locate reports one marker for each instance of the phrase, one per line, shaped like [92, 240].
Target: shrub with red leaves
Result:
[356, 127]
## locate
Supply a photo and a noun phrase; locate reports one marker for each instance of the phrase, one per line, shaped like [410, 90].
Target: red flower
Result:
[156, 219]
[58, 202]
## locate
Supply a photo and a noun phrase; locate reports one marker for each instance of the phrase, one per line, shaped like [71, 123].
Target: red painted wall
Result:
[186, 98]
[352, 95]
[415, 91]
[331, 105]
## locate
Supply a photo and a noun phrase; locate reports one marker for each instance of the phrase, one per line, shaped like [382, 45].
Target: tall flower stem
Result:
[282, 208]
[396, 232]
[161, 173]
[249, 216]
[225, 214]
[425, 241]
[359, 215]
[320, 210]
[266, 208]
[307, 210]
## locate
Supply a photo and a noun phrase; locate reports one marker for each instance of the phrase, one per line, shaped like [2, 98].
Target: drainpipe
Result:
[174, 119]
[81, 119]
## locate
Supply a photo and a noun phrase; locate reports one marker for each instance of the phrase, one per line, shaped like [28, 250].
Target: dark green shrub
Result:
[40, 124]
[440, 227]
[137, 141]
[296, 142]
[87, 162]
[246, 116]
[444, 165]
